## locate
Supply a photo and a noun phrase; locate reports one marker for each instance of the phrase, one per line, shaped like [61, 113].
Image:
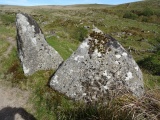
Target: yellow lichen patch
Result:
[98, 41]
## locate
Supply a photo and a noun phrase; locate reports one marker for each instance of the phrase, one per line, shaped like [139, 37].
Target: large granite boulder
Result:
[33, 50]
[99, 68]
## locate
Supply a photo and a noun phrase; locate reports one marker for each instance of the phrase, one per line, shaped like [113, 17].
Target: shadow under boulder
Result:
[10, 113]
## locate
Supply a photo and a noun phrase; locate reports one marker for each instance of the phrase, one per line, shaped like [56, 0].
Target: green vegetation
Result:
[64, 47]
[134, 25]
[130, 15]
[79, 33]
[3, 46]
[7, 19]
[147, 12]
[151, 63]
[145, 15]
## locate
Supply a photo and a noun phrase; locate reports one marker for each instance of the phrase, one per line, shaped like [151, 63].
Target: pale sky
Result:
[62, 2]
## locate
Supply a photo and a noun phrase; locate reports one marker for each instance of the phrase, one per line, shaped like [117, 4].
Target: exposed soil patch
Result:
[13, 100]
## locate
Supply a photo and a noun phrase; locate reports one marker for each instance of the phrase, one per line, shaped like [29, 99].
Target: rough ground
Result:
[13, 100]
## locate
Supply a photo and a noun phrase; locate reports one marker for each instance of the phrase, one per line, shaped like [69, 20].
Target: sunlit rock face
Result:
[33, 50]
[99, 69]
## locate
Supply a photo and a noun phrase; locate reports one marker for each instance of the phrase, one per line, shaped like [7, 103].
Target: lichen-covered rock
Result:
[33, 50]
[99, 68]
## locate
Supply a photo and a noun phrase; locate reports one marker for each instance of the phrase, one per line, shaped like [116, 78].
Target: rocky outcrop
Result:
[99, 68]
[33, 50]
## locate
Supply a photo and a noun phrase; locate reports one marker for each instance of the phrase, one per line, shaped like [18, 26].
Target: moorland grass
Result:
[3, 45]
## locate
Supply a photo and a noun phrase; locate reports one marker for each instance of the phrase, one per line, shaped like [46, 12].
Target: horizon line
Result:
[64, 5]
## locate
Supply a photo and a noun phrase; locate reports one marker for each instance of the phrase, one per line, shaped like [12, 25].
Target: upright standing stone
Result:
[98, 68]
[33, 50]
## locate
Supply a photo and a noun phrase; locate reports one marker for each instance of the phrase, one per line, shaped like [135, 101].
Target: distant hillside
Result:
[155, 4]
[92, 5]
